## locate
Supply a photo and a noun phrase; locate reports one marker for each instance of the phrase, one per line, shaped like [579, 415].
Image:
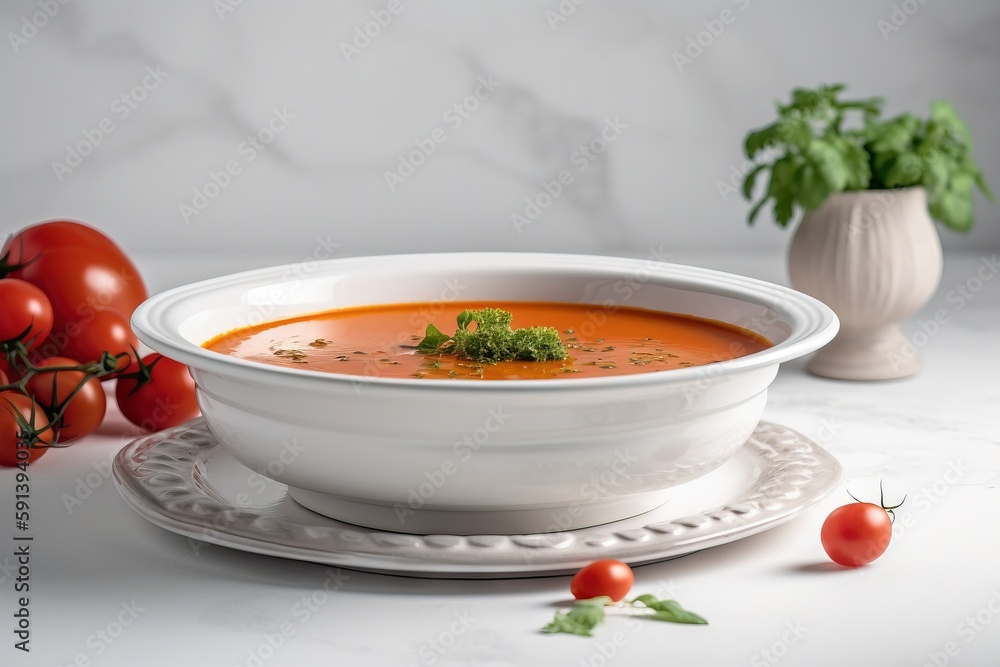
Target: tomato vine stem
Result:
[16, 354]
[881, 502]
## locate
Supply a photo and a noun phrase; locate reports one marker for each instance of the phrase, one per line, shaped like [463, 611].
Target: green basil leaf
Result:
[433, 339]
[760, 139]
[756, 209]
[669, 611]
[748, 182]
[829, 162]
[465, 318]
[580, 620]
[945, 115]
[907, 169]
[795, 130]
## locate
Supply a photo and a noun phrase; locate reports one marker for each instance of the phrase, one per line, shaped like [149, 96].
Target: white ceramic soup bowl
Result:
[475, 456]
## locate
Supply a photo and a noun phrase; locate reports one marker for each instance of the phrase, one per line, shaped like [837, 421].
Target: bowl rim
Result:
[813, 323]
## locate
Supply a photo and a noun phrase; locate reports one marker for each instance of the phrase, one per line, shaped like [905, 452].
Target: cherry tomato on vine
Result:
[158, 395]
[107, 331]
[15, 406]
[25, 312]
[3, 376]
[11, 374]
[85, 410]
[81, 270]
[857, 534]
[609, 577]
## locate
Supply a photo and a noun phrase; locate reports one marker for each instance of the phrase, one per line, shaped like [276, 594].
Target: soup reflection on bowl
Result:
[313, 378]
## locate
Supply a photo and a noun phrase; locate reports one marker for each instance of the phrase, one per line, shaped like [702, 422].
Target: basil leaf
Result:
[815, 156]
[580, 620]
[433, 339]
[465, 318]
[759, 140]
[669, 611]
[829, 161]
[748, 182]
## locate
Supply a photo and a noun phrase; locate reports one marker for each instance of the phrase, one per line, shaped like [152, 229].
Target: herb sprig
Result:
[588, 614]
[492, 340]
[810, 154]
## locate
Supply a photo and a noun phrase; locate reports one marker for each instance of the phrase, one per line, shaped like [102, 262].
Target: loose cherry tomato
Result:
[160, 394]
[15, 406]
[83, 413]
[609, 577]
[24, 309]
[106, 331]
[858, 533]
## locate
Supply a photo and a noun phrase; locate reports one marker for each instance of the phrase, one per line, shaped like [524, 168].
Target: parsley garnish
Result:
[492, 340]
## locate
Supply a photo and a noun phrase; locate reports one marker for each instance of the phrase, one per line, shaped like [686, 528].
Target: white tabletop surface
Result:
[109, 588]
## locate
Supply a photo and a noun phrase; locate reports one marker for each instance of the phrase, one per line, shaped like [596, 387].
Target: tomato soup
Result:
[381, 341]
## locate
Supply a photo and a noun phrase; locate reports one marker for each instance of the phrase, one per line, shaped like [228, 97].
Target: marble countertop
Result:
[109, 588]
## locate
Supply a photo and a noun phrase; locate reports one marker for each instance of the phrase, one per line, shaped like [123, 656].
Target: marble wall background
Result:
[166, 94]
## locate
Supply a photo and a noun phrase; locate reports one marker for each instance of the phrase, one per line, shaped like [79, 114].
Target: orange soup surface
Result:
[380, 341]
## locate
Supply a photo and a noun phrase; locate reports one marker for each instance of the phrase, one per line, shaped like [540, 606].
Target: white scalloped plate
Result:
[184, 481]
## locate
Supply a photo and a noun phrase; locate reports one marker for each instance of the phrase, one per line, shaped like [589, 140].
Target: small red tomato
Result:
[102, 331]
[159, 395]
[856, 534]
[85, 410]
[609, 577]
[25, 312]
[14, 407]
[3, 376]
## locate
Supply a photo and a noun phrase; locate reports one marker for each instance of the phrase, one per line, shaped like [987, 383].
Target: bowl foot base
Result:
[401, 518]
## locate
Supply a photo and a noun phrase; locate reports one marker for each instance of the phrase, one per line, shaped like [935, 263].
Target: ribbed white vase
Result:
[875, 258]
